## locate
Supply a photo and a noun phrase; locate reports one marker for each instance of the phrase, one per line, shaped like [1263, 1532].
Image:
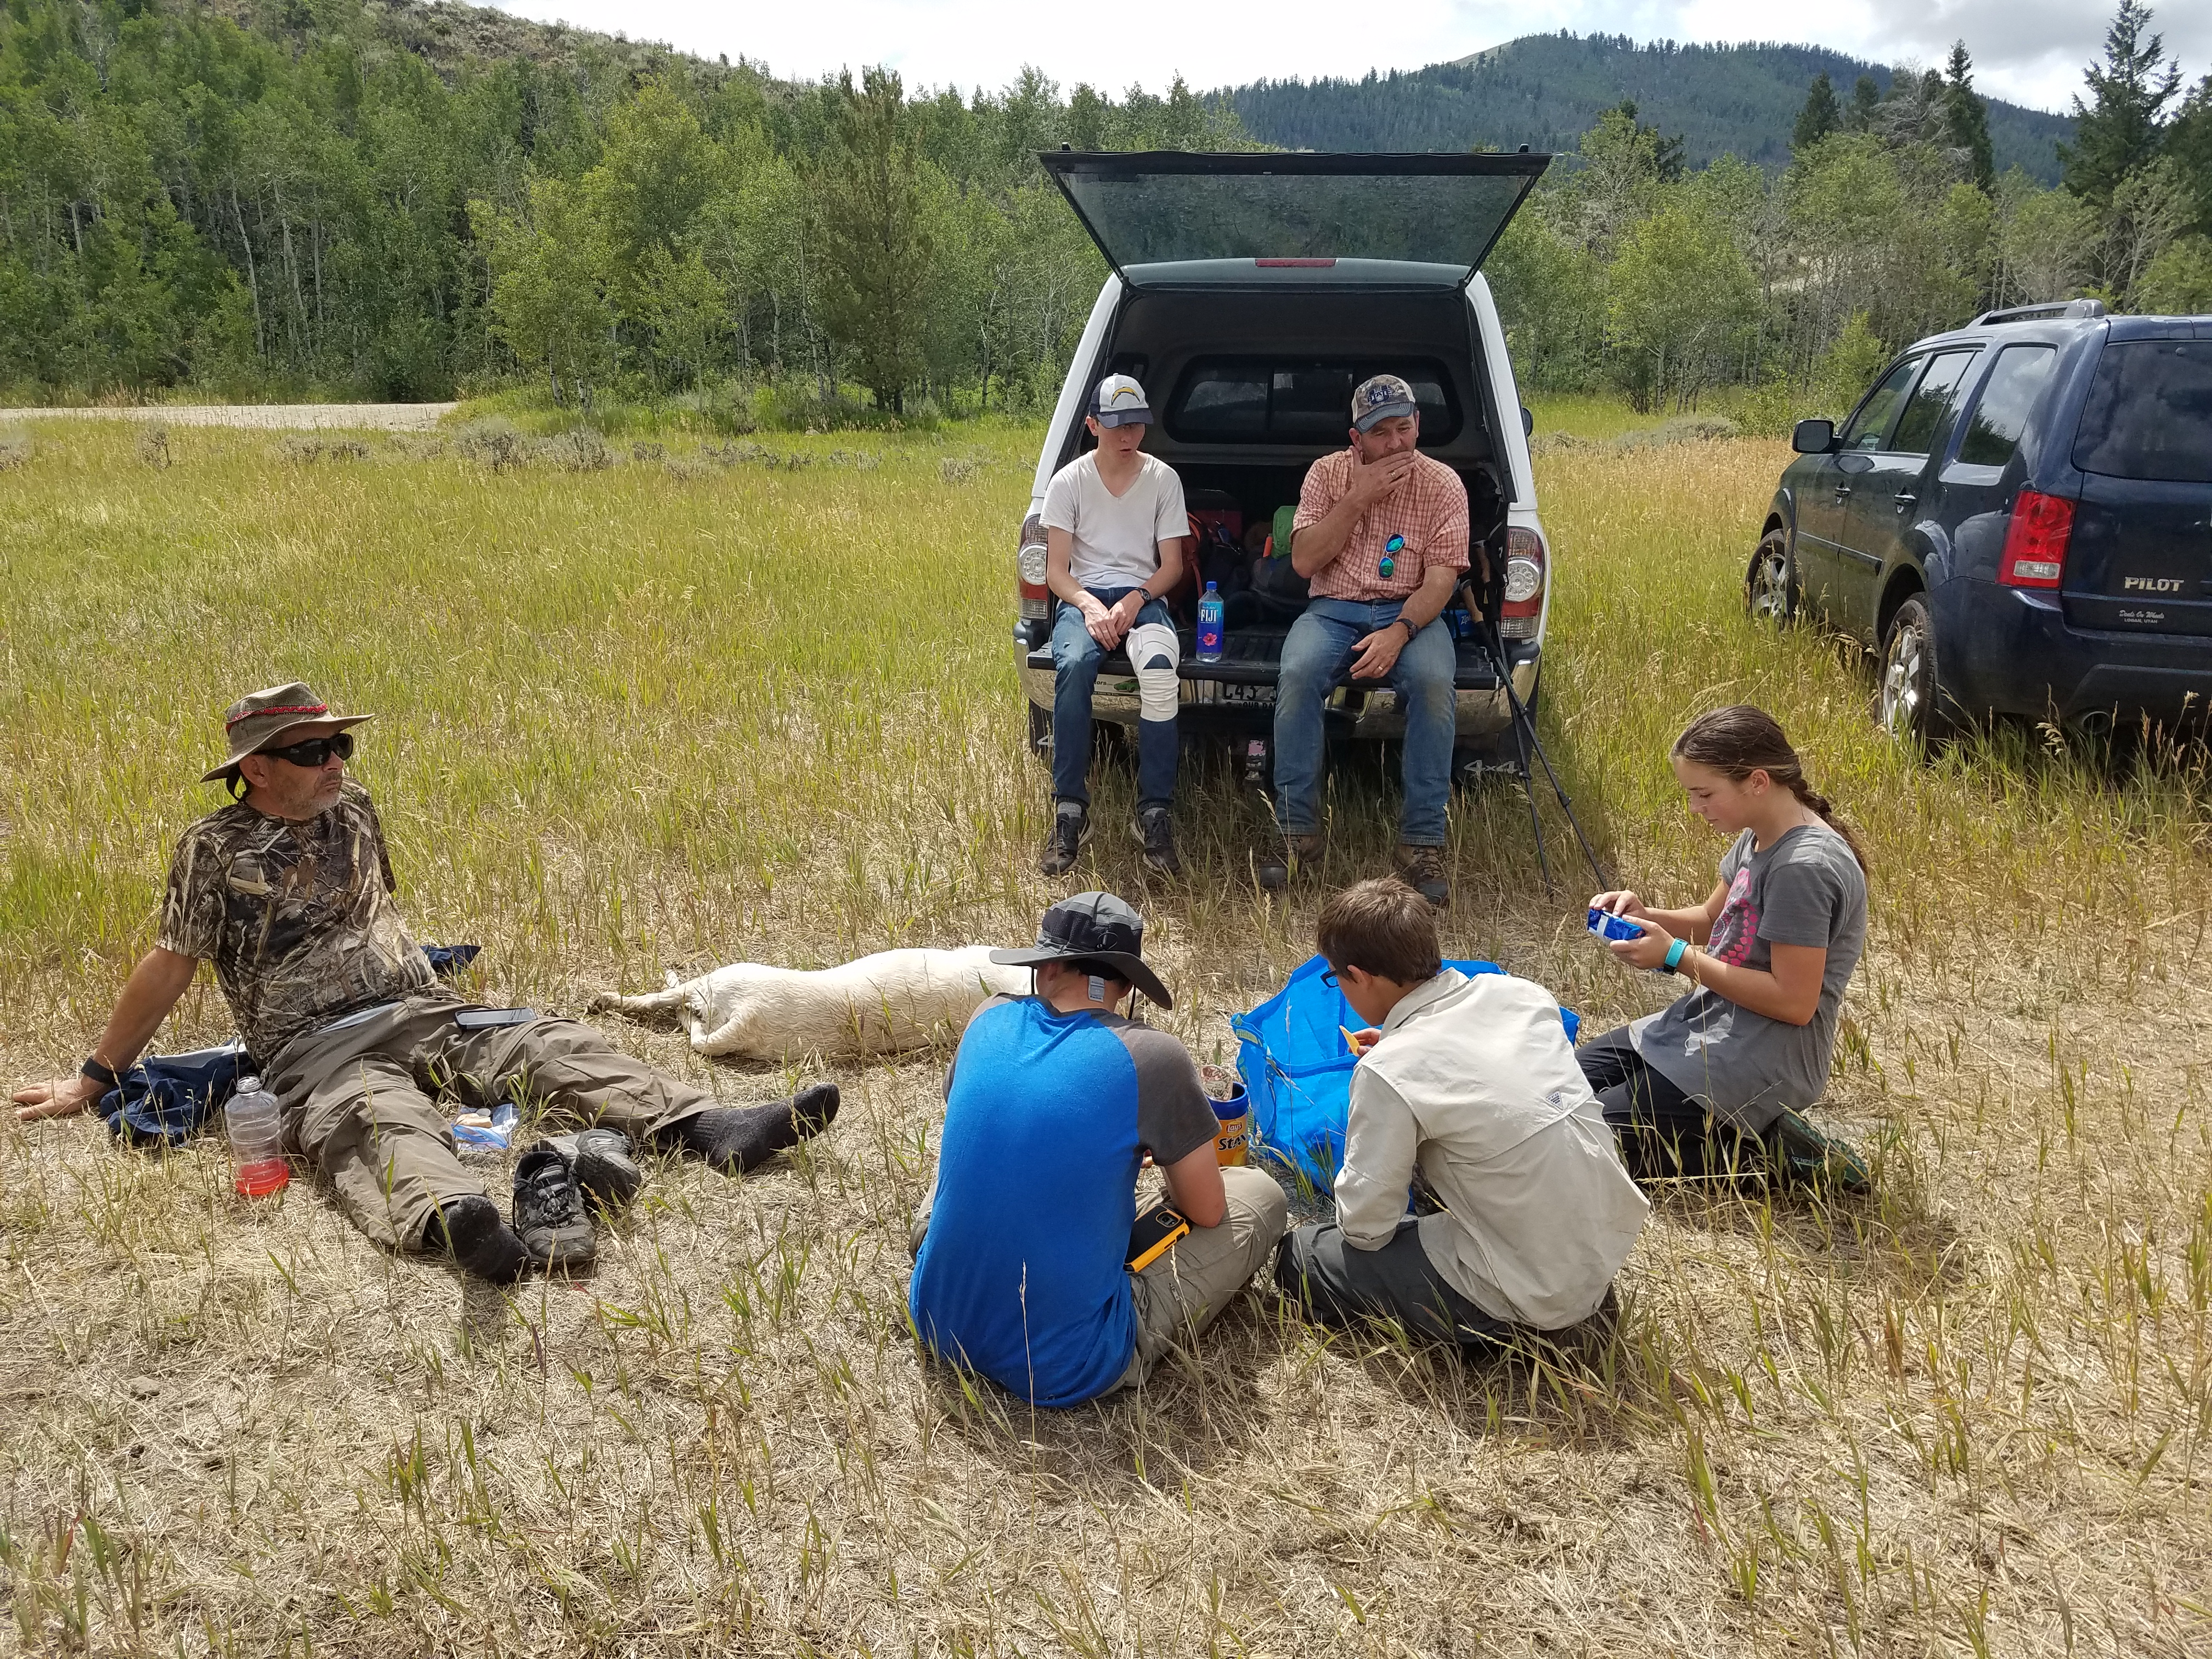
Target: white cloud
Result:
[2029, 51]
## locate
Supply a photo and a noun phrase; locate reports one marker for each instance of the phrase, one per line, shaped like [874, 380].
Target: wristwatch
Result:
[1412, 629]
[99, 1074]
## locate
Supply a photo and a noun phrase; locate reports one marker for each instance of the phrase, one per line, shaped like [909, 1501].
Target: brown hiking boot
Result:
[1422, 868]
[1289, 853]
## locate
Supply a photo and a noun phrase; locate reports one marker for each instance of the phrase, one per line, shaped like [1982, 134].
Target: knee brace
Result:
[1154, 651]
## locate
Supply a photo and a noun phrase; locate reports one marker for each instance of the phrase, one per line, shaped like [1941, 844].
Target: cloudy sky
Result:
[2029, 51]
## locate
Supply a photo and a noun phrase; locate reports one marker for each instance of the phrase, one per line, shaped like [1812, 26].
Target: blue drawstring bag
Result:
[1292, 1051]
[166, 1099]
[451, 960]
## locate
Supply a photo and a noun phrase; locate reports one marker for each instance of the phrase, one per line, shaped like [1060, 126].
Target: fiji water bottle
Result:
[256, 1140]
[1209, 625]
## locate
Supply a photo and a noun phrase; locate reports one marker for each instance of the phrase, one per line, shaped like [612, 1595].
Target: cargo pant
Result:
[370, 1104]
[1180, 1295]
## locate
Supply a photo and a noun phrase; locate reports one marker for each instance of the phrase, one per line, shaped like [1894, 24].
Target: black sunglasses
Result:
[315, 751]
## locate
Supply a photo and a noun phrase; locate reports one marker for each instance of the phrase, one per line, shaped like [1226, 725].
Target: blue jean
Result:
[1075, 659]
[1315, 657]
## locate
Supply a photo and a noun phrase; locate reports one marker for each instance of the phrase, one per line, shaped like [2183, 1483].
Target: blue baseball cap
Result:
[1120, 401]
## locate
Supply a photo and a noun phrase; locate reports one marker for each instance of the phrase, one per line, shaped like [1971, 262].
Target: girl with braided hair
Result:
[1768, 954]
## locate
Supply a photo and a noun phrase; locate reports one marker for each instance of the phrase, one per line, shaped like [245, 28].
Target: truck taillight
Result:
[2035, 541]
[1524, 584]
[1028, 572]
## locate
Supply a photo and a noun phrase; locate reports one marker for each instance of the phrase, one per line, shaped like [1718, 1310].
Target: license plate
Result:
[1228, 691]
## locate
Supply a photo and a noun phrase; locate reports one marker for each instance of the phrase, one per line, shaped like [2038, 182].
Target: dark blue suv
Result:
[2018, 517]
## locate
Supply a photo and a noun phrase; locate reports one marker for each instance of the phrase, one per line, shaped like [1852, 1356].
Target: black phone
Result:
[471, 1020]
[1154, 1234]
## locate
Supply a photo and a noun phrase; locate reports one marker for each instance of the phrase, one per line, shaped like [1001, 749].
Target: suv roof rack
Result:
[2054, 308]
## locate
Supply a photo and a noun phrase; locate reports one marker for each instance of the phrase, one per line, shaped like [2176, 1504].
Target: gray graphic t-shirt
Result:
[1806, 889]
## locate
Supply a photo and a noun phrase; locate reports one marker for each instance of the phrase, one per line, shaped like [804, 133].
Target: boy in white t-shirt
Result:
[1114, 525]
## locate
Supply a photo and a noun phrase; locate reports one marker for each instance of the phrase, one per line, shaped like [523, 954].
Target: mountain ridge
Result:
[1546, 90]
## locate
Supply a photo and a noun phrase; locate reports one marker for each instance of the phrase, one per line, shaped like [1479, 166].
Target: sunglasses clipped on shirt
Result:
[315, 751]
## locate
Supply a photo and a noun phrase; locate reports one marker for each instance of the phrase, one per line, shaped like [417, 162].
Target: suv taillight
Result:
[1524, 584]
[1028, 572]
[2035, 540]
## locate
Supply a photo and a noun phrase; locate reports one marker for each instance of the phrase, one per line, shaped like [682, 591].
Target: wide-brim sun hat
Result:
[266, 719]
[1092, 927]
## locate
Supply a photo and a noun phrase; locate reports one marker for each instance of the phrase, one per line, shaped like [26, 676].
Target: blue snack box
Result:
[1607, 926]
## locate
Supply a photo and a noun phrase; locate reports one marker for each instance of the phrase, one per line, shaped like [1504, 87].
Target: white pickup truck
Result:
[1250, 293]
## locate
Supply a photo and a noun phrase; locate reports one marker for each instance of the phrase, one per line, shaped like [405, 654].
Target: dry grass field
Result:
[664, 715]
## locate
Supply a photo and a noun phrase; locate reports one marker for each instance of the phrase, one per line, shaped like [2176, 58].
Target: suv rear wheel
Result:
[1915, 706]
[1770, 586]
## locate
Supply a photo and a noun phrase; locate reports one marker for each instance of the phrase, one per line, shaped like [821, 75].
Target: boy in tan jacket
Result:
[1470, 1085]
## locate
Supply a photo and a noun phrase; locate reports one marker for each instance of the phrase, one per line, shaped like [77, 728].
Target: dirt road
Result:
[380, 418]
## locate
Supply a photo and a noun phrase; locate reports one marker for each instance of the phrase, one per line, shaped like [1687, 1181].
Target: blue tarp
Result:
[1293, 1054]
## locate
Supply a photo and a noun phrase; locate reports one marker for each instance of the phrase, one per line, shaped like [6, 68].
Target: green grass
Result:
[1585, 414]
[655, 716]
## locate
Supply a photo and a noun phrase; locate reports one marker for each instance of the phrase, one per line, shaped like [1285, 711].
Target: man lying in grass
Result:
[1468, 1095]
[288, 892]
[1052, 1106]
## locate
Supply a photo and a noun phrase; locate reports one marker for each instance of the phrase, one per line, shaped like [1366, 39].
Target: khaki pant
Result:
[1179, 1295]
[370, 1104]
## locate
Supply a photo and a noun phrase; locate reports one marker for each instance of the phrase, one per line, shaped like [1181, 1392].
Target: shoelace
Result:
[555, 1193]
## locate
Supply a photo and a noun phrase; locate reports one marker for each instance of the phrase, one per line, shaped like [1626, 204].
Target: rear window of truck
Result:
[2149, 412]
[1266, 400]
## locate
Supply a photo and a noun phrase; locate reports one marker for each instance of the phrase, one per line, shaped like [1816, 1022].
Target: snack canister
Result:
[1232, 1110]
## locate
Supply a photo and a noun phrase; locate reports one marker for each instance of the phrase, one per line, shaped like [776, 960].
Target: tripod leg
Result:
[1525, 726]
[1536, 828]
[1567, 807]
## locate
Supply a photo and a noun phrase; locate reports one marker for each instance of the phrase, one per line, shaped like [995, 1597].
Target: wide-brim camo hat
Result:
[1380, 398]
[263, 720]
[1120, 401]
[1092, 927]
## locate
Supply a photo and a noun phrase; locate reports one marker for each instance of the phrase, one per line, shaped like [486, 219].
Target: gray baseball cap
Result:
[1382, 397]
[1120, 401]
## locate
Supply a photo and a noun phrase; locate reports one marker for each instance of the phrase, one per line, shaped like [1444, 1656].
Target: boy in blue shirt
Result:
[1052, 1104]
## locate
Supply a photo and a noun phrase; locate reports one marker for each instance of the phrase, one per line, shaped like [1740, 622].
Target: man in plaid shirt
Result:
[1381, 534]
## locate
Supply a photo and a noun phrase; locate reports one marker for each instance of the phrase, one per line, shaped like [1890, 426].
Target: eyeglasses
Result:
[1329, 979]
[315, 751]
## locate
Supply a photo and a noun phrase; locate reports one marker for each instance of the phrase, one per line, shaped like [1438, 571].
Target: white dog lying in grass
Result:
[881, 1004]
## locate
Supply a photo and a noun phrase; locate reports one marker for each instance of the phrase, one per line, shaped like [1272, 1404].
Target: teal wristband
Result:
[1674, 955]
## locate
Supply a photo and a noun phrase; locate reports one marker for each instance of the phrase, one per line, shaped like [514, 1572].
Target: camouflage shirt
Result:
[297, 918]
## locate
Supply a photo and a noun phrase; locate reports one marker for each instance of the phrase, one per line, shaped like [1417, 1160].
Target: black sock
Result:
[484, 1245]
[743, 1138]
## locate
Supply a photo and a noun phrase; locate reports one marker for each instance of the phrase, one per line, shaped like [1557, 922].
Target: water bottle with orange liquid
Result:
[256, 1140]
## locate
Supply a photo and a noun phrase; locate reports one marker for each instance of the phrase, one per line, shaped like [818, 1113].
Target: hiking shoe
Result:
[600, 1161]
[1154, 830]
[470, 1230]
[1289, 853]
[1422, 868]
[549, 1211]
[1805, 1157]
[1071, 828]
